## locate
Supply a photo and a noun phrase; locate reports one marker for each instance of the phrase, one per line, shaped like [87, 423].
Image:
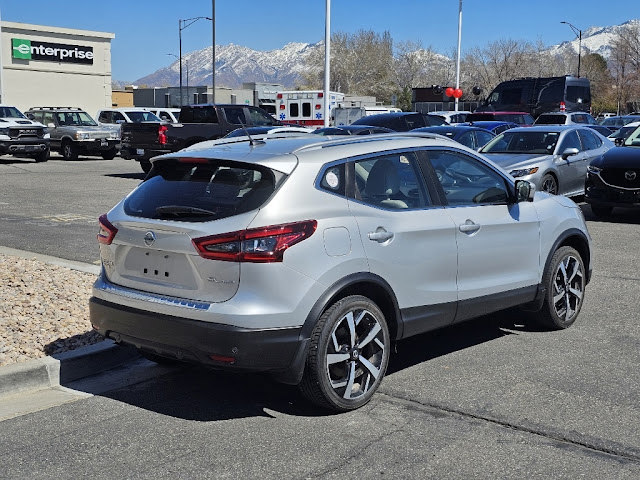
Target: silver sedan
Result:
[553, 158]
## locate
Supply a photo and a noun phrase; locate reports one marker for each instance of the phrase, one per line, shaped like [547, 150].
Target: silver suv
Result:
[307, 257]
[73, 132]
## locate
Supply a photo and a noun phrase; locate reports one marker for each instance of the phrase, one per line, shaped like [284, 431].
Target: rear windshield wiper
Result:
[179, 210]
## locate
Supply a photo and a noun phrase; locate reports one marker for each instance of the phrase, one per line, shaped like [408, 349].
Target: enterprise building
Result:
[53, 66]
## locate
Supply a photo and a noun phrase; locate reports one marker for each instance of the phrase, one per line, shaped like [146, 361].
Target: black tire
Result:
[600, 211]
[42, 156]
[109, 154]
[348, 355]
[146, 165]
[565, 281]
[549, 184]
[69, 151]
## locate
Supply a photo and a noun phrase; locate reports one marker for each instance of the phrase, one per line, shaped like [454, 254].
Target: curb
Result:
[72, 264]
[64, 367]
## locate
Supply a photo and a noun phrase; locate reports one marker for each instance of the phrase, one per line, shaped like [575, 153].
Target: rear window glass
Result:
[578, 94]
[551, 120]
[201, 192]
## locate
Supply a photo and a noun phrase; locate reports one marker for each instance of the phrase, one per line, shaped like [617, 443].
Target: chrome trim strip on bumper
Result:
[108, 287]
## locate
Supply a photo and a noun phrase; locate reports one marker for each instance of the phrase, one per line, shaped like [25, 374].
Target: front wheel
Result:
[69, 151]
[601, 211]
[549, 184]
[565, 281]
[109, 154]
[348, 355]
[42, 156]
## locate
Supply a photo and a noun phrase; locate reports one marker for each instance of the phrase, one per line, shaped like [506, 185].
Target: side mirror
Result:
[524, 191]
[618, 141]
[120, 122]
[569, 152]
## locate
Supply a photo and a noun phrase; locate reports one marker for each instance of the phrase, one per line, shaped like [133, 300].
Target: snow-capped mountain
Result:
[236, 64]
[594, 40]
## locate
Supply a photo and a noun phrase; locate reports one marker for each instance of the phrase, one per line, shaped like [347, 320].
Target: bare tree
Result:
[625, 66]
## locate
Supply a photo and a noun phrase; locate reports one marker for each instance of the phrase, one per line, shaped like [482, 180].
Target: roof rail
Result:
[372, 138]
[55, 108]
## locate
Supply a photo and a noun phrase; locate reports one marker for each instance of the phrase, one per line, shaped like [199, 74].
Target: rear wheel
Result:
[146, 165]
[348, 355]
[601, 211]
[549, 184]
[565, 281]
[69, 151]
[109, 154]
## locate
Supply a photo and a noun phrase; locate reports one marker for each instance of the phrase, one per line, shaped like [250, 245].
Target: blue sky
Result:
[147, 30]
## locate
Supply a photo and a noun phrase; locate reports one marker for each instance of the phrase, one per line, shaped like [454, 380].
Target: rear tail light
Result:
[162, 136]
[258, 245]
[107, 230]
[563, 107]
[320, 95]
[318, 106]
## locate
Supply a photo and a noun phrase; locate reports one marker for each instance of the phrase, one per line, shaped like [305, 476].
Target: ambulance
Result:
[305, 107]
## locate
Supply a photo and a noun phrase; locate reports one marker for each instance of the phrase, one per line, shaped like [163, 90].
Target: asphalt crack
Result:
[600, 446]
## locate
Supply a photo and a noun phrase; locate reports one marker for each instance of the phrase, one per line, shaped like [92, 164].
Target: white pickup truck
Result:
[22, 137]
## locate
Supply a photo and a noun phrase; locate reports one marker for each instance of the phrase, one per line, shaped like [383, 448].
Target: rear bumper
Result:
[100, 145]
[271, 350]
[133, 153]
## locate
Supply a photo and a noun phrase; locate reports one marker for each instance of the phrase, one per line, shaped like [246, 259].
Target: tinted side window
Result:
[466, 139]
[466, 180]
[235, 115]
[590, 141]
[294, 110]
[306, 109]
[105, 117]
[260, 118]
[389, 181]
[570, 140]
[483, 138]
[414, 121]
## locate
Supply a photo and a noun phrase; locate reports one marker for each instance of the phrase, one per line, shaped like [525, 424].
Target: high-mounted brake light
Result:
[107, 230]
[162, 136]
[259, 245]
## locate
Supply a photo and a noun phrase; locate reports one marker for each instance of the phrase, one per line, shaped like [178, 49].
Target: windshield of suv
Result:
[200, 192]
[633, 140]
[138, 116]
[523, 142]
[10, 112]
[75, 119]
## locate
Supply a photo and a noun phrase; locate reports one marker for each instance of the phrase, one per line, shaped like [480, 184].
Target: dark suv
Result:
[401, 121]
[613, 180]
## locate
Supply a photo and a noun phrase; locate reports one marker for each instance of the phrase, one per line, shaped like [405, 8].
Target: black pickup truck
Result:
[143, 141]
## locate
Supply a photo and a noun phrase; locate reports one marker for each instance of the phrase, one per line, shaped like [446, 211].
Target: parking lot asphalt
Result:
[492, 398]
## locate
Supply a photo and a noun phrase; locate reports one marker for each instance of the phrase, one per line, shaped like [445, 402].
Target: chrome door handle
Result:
[380, 235]
[469, 227]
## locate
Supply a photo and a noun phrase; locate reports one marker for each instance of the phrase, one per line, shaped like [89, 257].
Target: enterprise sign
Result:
[52, 52]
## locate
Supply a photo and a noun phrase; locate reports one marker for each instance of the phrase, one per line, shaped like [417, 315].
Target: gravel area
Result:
[44, 309]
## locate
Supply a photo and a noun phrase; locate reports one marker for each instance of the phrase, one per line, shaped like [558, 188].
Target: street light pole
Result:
[182, 24]
[578, 33]
[458, 59]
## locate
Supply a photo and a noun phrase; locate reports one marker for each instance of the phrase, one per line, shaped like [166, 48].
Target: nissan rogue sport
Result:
[308, 257]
